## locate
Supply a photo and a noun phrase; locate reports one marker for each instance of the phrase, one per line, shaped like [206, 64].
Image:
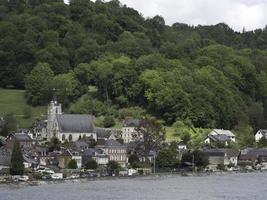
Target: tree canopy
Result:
[210, 75]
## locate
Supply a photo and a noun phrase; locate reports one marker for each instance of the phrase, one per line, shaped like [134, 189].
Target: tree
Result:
[38, 84]
[113, 167]
[134, 161]
[167, 158]
[67, 87]
[72, 164]
[153, 134]
[10, 124]
[17, 166]
[54, 144]
[108, 121]
[91, 164]
[200, 159]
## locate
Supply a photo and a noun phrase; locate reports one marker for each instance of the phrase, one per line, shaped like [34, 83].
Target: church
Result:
[68, 127]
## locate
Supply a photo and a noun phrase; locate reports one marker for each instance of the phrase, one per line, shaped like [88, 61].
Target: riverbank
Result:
[151, 176]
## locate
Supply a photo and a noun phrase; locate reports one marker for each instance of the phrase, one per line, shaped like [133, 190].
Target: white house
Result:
[69, 127]
[129, 133]
[220, 135]
[261, 133]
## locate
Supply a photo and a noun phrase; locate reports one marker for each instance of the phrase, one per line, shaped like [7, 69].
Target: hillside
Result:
[210, 76]
[13, 101]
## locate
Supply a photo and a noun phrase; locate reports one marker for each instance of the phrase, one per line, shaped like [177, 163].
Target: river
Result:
[239, 186]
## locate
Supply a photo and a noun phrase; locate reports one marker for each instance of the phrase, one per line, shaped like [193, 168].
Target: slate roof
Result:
[128, 122]
[69, 123]
[214, 152]
[232, 153]
[22, 137]
[113, 143]
[219, 138]
[222, 132]
[257, 152]
[80, 145]
[106, 132]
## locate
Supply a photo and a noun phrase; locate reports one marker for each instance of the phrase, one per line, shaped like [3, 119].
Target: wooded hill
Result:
[211, 76]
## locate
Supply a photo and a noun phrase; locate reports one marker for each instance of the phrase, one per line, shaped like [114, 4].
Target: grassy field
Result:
[13, 101]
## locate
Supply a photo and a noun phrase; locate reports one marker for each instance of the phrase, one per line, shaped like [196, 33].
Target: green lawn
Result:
[13, 101]
[170, 134]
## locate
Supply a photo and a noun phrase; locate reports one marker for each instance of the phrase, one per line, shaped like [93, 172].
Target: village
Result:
[69, 146]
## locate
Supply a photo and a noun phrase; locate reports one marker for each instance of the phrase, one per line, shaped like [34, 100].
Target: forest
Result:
[106, 59]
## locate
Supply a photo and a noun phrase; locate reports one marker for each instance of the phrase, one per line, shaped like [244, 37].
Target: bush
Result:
[108, 121]
[72, 164]
[113, 167]
[91, 164]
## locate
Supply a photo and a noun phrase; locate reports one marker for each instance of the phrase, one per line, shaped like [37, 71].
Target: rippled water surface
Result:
[246, 186]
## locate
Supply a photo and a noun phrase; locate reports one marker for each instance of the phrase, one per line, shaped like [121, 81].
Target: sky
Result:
[238, 14]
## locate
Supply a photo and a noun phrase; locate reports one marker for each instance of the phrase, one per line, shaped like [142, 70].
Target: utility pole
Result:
[154, 162]
[193, 162]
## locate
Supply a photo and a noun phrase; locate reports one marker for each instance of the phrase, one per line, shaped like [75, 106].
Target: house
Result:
[223, 157]
[48, 159]
[253, 156]
[25, 131]
[66, 156]
[220, 136]
[260, 133]
[63, 159]
[5, 157]
[108, 133]
[80, 145]
[24, 140]
[77, 157]
[39, 128]
[231, 157]
[216, 158]
[129, 130]
[181, 146]
[116, 151]
[69, 127]
[96, 154]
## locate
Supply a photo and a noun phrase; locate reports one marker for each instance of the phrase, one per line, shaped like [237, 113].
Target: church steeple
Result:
[54, 109]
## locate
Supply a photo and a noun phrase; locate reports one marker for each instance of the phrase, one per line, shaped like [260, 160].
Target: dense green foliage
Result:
[196, 158]
[17, 166]
[108, 121]
[91, 164]
[167, 157]
[209, 75]
[113, 167]
[72, 164]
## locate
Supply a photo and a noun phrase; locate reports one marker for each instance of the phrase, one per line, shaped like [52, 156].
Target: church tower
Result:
[54, 109]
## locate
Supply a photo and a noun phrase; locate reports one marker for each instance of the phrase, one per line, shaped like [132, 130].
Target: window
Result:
[63, 137]
[70, 137]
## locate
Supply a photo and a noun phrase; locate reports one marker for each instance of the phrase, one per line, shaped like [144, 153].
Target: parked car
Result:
[45, 170]
[73, 176]
[23, 178]
[57, 176]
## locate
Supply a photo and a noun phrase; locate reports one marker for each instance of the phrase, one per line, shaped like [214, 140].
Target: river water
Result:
[239, 186]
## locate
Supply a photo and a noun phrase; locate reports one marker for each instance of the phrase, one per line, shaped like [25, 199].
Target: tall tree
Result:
[38, 84]
[17, 166]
